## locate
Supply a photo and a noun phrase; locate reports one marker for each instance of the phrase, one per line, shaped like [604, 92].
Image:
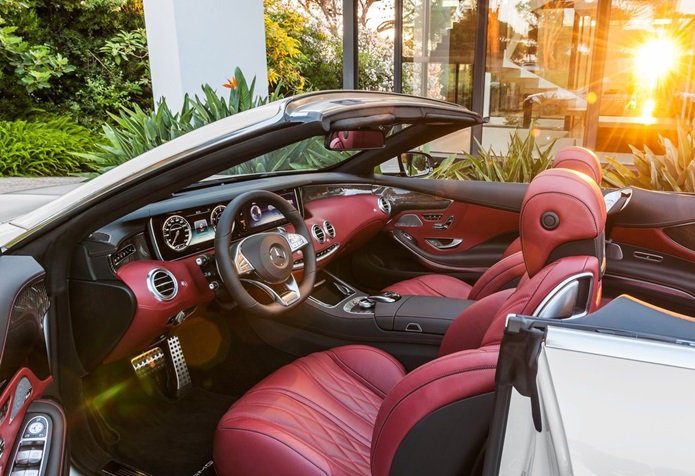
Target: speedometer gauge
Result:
[177, 232]
[216, 214]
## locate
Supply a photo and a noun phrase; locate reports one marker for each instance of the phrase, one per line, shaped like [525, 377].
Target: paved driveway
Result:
[15, 184]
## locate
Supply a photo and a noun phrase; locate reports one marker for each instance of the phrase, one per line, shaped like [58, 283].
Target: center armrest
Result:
[422, 314]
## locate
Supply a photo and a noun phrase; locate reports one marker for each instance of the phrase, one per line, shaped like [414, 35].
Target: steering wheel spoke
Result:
[242, 264]
[285, 294]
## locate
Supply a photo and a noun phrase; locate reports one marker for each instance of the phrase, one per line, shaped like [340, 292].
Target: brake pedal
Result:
[182, 377]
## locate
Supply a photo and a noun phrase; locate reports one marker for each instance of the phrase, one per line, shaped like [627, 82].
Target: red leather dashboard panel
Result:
[151, 317]
[356, 219]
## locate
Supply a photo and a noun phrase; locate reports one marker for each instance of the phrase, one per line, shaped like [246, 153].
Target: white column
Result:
[193, 42]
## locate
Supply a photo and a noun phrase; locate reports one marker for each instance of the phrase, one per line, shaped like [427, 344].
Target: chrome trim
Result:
[154, 291]
[384, 205]
[327, 224]
[558, 292]
[314, 233]
[436, 243]
[290, 296]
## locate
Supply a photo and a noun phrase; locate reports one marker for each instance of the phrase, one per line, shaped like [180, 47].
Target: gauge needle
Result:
[176, 235]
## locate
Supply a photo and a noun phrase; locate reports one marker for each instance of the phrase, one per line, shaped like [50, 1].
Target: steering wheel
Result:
[265, 259]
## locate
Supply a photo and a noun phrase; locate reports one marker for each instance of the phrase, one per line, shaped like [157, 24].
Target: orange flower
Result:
[231, 83]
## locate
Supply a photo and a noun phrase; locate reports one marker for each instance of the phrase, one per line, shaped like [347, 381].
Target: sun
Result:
[655, 59]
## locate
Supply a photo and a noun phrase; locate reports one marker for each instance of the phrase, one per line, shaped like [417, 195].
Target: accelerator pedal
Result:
[182, 378]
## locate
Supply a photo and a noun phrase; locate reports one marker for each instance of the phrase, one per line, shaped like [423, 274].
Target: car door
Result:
[33, 438]
[652, 255]
[450, 227]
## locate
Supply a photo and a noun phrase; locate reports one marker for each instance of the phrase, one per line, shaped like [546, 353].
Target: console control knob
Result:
[203, 260]
[214, 286]
[366, 303]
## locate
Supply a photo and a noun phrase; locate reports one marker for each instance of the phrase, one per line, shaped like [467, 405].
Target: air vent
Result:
[162, 284]
[330, 229]
[318, 234]
[384, 205]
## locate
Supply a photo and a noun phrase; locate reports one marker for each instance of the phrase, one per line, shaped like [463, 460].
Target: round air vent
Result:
[384, 205]
[318, 234]
[329, 228]
[162, 284]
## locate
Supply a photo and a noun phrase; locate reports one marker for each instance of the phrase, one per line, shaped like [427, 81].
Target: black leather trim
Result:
[649, 209]
[448, 441]
[57, 461]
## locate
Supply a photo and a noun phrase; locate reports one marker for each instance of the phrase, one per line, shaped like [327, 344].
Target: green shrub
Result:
[672, 171]
[523, 161]
[135, 131]
[48, 147]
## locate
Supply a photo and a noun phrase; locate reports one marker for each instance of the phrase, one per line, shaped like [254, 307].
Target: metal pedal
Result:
[181, 374]
[149, 364]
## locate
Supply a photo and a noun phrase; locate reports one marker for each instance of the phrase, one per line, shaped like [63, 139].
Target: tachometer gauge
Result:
[177, 232]
[256, 212]
[216, 214]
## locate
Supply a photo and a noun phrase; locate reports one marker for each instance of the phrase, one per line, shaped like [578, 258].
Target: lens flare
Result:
[655, 59]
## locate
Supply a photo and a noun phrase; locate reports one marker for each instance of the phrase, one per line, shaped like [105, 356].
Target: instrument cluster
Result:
[185, 232]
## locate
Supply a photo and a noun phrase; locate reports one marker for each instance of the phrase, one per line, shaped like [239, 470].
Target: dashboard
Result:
[155, 267]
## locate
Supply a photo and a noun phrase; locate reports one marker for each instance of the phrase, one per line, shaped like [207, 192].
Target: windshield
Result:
[308, 154]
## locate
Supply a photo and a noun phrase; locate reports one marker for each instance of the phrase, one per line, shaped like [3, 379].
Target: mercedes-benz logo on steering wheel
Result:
[278, 256]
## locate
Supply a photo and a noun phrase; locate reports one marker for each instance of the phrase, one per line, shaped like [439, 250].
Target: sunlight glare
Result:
[647, 116]
[655, 59]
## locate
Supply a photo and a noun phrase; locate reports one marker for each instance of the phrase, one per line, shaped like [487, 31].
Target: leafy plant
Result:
[672, 171]
[135, 131]
[523, 161]
[49, 147]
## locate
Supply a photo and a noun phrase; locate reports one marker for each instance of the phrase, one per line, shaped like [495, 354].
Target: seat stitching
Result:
[321, 385]
[281, 442]
[315, 437]
[367, 383]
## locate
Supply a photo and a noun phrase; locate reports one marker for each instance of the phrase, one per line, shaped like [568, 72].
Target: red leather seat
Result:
[506, 272]
[354, 410]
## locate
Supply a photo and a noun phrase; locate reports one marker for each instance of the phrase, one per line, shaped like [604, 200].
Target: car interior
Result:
[334, 321]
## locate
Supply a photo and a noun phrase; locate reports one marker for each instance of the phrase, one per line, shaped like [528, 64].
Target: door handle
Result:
[444, 243]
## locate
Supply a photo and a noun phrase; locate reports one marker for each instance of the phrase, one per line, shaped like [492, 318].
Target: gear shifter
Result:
[370, 301]
[386, 296]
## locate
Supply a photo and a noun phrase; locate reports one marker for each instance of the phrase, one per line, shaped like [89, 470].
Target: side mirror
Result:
[416, 164]
[355, 140]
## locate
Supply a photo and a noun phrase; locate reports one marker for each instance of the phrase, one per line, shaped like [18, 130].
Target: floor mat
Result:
[169, 438]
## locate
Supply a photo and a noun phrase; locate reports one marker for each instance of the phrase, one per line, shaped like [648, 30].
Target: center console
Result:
[411, 314]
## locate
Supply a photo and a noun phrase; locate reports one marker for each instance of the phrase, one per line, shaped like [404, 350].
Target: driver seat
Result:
[354, 410]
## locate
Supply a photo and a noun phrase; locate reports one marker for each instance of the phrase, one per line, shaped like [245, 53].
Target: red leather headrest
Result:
[579, 159]
[561, 207]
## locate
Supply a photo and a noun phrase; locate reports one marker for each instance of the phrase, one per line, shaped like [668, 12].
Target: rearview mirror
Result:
[355, 140]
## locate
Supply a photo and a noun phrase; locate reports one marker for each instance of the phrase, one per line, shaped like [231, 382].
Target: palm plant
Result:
[672, 171]
[524, 160]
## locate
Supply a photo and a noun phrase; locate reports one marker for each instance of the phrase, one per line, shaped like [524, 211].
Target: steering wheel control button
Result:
[242, 264]
[550, 221]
